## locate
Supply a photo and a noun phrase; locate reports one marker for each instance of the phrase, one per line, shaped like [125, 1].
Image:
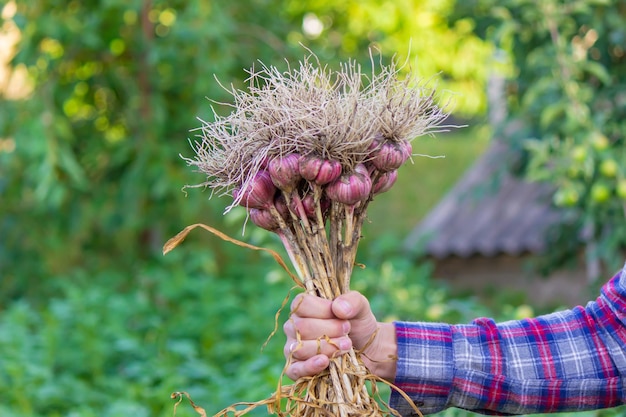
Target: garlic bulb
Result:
[350, 188]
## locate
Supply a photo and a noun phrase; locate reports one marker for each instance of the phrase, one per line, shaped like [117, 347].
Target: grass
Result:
[423, 183]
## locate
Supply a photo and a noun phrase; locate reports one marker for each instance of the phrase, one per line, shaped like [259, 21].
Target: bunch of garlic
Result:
[306, 150]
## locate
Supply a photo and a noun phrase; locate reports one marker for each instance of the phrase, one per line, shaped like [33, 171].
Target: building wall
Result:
[509, 275]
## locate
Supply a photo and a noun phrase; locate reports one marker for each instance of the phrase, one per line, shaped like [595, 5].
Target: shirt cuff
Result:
[424, 368]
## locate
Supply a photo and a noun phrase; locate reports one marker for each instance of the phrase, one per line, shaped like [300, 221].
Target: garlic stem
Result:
[294, 252]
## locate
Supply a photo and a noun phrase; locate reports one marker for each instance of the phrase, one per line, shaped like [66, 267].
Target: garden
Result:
[100, 104]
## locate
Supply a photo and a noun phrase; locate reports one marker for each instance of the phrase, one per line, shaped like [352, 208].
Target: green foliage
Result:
[398, 289]
[567, 94]
[94, 350]
[115, 88]
[93, 320]
[420, 30]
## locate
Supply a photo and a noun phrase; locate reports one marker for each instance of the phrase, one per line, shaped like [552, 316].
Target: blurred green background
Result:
[98, 100]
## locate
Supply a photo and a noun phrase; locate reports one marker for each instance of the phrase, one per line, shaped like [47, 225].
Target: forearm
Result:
[424, 369]
[571, 360]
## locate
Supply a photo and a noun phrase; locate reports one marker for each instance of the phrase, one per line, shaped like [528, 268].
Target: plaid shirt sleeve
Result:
[571, 360]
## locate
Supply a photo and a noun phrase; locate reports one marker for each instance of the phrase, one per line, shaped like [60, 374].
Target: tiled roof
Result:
[488, 212]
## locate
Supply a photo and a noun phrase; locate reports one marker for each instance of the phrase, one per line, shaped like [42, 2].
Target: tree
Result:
[94, 178]
[567, 94]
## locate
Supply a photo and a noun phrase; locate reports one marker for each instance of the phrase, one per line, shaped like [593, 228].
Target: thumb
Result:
[354, 307]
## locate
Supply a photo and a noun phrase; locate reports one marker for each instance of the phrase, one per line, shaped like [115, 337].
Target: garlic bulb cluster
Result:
[314, 181]
[306, 150]
[295, 196]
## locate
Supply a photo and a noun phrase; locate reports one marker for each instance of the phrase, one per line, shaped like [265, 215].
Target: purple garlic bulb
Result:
[385, 182]
[308, 205]
[362, 169]
[258, 192]
[281, 206]
[263, 218]
[352, 187]
[318, 170]
[284, 171]
[308, 202]
[391, 155]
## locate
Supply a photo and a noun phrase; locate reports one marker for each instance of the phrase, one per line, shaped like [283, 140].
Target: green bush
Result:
[115, 344]
[101, 349]
[104, 347]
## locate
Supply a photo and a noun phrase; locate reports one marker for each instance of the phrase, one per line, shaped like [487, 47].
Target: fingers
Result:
[305, 305]
[312, 318]
[310, 367]
[351, 306]
[312, 329]
[305, 349]
[310, 357]
[314, 335]
[318, 329]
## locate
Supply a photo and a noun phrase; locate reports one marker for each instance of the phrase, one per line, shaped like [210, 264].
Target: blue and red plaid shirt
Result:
[571, 360]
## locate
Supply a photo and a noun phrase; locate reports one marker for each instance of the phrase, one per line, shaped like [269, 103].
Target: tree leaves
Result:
[569, 67]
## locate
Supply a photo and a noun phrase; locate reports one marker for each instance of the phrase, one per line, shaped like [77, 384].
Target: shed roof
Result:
[488, 212]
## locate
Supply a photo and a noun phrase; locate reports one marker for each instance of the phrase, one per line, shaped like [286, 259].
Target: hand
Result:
[328, 328]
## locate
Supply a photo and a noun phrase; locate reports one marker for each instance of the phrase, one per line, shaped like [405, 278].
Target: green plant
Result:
[90, 149]
[96, 350]
[566, 97]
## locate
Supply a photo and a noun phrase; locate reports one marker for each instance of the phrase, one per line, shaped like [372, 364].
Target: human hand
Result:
[331, 327]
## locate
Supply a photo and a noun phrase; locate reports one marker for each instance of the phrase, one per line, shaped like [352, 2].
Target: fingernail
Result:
[345, 344]
[289, 328]
[345, 327]
[320, 361]
[345, 307]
